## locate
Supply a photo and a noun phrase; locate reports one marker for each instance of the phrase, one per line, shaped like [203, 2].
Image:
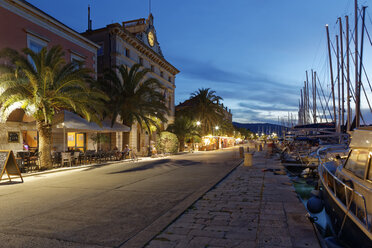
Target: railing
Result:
[346, 195]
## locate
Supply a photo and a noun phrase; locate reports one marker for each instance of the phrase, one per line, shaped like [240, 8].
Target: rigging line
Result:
[326, 103]
[366, 98]
[321, 103]
[369, 17]
[352, 94]
[365, 73]
[369, 38]
[364, 70]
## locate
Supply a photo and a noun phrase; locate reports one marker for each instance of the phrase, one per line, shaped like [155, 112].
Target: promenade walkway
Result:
[252, 207]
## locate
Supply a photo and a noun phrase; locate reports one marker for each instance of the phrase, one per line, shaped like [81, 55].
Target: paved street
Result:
[250, 208]
[117, 205]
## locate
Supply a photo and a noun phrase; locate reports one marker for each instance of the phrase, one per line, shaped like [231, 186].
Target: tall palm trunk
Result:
[45, 144]
[182, 144]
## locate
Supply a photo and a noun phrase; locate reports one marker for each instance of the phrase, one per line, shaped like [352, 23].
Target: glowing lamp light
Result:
[198, 123]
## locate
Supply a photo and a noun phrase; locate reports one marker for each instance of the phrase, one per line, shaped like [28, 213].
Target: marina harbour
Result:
[185, 124]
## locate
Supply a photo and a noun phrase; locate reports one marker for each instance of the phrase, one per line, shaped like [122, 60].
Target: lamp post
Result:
[198, 123]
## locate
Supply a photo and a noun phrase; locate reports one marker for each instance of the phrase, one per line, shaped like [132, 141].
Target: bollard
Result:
[247, 148]
[248, 157]
[259, 148]
[241, 152]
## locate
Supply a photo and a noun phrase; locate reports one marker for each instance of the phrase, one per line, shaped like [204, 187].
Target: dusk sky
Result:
[253, 53]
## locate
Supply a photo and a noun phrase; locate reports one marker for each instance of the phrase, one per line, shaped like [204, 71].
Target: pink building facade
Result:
[23, 25]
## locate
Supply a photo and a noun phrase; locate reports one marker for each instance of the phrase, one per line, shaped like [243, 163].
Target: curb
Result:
[144, 236]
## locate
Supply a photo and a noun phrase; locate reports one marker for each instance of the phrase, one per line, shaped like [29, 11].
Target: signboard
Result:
[13, 137]
[8, 165]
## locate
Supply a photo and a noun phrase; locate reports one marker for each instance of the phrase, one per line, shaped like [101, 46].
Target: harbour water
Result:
[303, 187]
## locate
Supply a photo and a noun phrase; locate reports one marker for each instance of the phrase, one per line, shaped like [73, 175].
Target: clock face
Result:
[151, 38]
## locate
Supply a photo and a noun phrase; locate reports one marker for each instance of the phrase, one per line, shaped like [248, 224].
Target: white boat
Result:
[347, 191]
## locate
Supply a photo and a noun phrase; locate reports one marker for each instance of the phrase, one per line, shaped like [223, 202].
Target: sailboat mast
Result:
[357, 96]
[331, 71]
[361, 60]
[307, 99]
[342, 75]
[302, 109]
[313, 75]
[348, 73]
[338, 85]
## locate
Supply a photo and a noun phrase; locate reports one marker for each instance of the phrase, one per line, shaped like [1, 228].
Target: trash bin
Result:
[241, 152]
[248, 158]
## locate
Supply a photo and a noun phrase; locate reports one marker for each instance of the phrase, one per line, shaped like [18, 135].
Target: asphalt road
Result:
[117, 205]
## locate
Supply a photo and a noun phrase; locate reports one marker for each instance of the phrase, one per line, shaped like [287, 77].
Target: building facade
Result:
[23, 25]
[129, 43]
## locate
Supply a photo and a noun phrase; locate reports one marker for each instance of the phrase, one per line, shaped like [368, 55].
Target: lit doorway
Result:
[76, 141]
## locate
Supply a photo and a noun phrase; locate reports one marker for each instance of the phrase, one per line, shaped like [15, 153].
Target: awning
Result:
[68, 120]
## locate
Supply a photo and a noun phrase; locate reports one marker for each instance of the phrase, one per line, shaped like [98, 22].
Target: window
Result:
[76, 141]
[77, 60]
[36, 47]
[357, 161]
[35, 44]
[100, 50]
[161, 74]
[170, 79]
[152, 68]
[127, 52]
[140, 61]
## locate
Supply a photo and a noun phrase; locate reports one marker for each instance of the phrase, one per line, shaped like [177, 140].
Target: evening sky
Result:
[253, 53]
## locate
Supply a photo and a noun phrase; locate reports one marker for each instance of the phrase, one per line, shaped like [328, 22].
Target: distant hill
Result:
[266, 128]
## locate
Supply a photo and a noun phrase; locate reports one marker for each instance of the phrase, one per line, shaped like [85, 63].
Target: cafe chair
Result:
[66, 158]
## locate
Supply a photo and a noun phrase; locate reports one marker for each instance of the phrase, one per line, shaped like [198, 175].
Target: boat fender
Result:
[315, 205]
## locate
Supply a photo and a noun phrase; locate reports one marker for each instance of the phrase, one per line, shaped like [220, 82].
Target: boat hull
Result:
[351, 234]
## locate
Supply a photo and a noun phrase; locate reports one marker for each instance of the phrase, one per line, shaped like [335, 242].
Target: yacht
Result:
[346, 190]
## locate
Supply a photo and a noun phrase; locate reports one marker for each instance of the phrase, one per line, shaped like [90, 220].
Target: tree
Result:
[167, 142]
[226, 127]
[133, 96]
[205, 108]
[44, 85]
[184, 128]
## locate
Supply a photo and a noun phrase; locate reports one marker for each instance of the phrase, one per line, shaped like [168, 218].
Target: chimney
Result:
[89, 20]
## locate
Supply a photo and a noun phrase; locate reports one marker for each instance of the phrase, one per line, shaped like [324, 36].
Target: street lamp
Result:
[198, 123]
[216, 127]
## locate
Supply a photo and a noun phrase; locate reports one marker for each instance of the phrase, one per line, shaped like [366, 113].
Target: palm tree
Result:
[206, 109]
[184, 128]
[134, 97]
[44, 85]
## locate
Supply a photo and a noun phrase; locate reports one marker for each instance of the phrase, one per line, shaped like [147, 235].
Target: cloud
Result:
[267, 106]
[251, 96]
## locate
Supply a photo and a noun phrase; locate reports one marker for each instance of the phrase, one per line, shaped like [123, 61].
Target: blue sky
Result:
[253, 53]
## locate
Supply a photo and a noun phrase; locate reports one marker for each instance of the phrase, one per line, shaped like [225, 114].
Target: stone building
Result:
[23, 25]
[135, 42]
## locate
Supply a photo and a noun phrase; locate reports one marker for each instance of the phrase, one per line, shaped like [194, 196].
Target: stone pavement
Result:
[250, 208]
